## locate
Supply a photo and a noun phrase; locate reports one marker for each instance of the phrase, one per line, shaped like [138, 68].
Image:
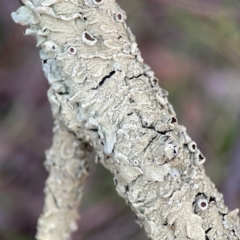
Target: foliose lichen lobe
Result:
[101, 90]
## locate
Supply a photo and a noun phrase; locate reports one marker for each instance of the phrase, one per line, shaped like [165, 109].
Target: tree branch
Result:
[64, 187]
[126, 117]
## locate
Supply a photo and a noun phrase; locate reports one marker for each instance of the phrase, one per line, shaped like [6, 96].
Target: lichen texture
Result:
[102, 94]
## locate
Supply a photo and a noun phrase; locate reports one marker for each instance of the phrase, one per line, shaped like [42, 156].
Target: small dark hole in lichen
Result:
[72, 50]
[88, 37]
[155, 81]
[193, 146]
[212, 199]
[86, 145]
[53, 47]
[98, 1]
[94, 129]
[127, 188]
[85, 19]
[201, 157]
[44, 61]
[203, 204]
[174, 120]
[119, 16]
[64, 92]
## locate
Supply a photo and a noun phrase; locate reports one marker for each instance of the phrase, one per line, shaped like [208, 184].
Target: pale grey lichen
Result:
[102, 93]
[67, 166]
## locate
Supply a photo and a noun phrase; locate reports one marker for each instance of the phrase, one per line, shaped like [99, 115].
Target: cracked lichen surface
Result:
[104, 95]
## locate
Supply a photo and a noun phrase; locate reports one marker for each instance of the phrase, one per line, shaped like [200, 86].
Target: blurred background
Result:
[194, 48]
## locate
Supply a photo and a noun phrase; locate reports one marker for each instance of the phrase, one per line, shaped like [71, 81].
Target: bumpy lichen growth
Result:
[101, 91]
[67, 166]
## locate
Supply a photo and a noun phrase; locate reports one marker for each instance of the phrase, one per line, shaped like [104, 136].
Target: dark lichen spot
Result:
[212, 199]
[174, 120]
[201, 157]
[135, 162]
[89, 37]
[203, 204]
[119, 17]
[72, 50]
[94, 129]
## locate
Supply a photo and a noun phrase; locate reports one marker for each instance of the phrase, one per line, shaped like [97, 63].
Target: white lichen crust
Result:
[67, 166]
[101, 90]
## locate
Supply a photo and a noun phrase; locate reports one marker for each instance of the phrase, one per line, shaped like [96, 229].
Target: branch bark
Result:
[101, 90]
[67, 167]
